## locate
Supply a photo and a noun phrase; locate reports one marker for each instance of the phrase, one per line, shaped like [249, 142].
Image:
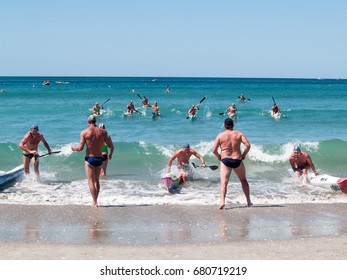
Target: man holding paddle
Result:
[29, 145]
[183, 155]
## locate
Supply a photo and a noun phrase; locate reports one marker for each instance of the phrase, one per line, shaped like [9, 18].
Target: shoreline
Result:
[262, 232]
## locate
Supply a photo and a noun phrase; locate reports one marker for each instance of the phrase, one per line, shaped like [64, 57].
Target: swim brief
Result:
[30, 156]
[95, 161]
[231, 163]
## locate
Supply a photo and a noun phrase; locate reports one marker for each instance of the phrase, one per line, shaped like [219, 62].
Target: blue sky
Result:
[292, 39]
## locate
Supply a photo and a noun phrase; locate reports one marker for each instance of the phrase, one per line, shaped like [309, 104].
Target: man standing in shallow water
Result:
[231, 158]
[93, 137]
[29, 145]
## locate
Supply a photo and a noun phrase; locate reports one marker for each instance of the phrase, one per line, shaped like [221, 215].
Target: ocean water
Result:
[315, 113]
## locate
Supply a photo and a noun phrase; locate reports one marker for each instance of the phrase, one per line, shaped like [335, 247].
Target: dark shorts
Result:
[231, 163]
[95, 161]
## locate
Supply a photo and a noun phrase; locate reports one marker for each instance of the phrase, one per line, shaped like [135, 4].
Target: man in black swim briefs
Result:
[94, 137]
[231, 157]
[29, 145]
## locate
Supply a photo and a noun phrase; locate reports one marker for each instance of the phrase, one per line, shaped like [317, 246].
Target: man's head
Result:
[296, 150]
[91, 119]
[34, 127]
[186, 146]
[228, 123]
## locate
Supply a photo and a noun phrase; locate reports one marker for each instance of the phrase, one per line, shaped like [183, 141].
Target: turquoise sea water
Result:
[315, 118]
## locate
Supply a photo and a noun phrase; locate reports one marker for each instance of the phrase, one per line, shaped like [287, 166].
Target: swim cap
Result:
[91, 119]
[297, 148]
[186, 146]
[34, 127]
[102, 126]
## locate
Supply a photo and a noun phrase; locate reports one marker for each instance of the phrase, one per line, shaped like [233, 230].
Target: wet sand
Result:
[263, 232]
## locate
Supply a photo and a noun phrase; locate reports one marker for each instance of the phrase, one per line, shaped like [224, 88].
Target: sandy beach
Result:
[263, 232]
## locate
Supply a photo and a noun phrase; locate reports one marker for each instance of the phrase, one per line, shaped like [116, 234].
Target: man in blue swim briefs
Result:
[231, 157]
[301, 163]
[94, 137]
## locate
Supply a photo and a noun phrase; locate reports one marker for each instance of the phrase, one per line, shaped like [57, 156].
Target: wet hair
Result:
[186, 146]
[228, 123]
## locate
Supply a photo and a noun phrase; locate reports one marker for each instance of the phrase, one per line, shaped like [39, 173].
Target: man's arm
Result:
[215, 148]
[245, 142]
[109, 144]
[309, 161]
[43, 140]
[80, 146]
[195, 153]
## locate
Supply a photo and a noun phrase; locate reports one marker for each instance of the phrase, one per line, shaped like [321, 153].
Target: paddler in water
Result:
[301, 163]
[145, 102]
[275, 109]
[94, 138]
[155, 108]
[183, 155]
[192, 110]
[232, 111]
[29, 145]
[96, 109]
[130, 107]
[105, 153]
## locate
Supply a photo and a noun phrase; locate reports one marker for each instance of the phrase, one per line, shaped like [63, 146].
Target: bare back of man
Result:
[231, 157]
[94, 138]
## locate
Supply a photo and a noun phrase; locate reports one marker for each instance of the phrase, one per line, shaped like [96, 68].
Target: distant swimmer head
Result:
[228, 123]
[297, 148]
[96, 103]
[186, 146]
[102, 126]
[34, 127]
[233, 104]
[91, 119]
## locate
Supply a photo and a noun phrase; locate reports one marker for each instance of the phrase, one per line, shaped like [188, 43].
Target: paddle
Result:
[105, 102]
[212, 167]
[55, 152]
[221, 113]
[273, 99]
[139, 96]
[245, 98]
[197, 105]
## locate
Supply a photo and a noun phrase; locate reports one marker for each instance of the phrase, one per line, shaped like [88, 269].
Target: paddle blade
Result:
[201, 101]
[221, 113]
[194, 164]
[139, 96]
[213, 167]
[105, 101]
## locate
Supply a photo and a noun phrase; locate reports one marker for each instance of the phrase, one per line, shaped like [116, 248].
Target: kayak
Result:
[335, 183]
[276, 116]
[172, 180]
[232, 116]
[325, 180]
[11, 175]
[191, 118]
[127, 114]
